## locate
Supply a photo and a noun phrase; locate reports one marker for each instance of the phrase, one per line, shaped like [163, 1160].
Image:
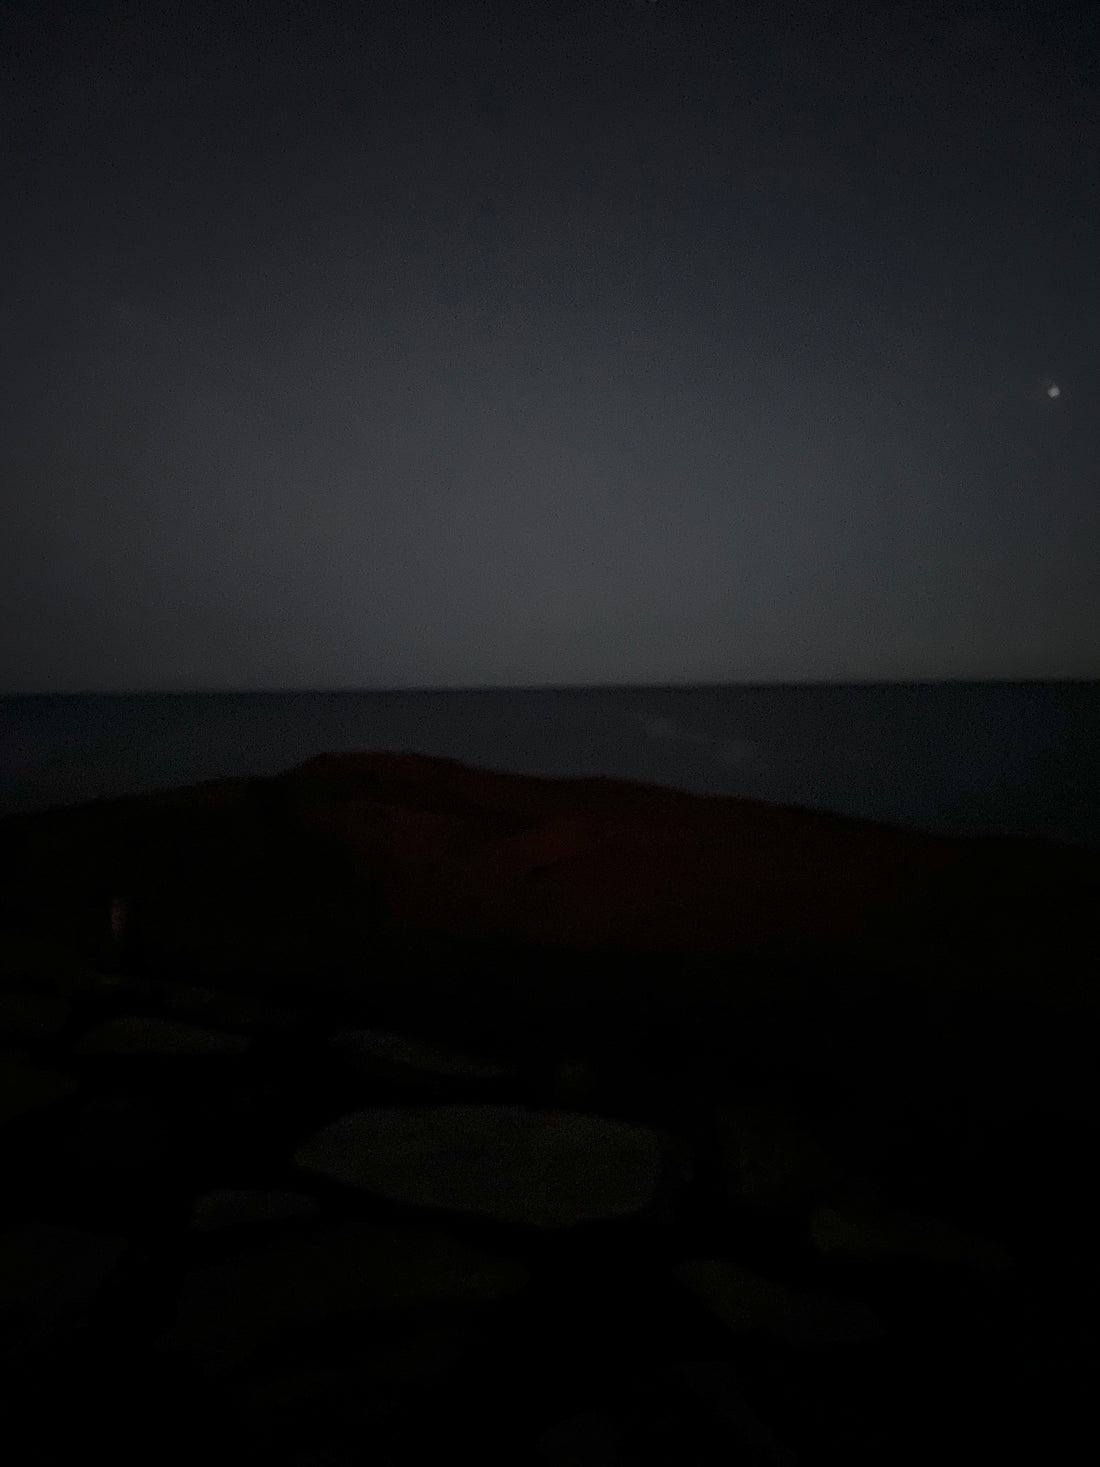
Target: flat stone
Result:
[844, 1232]
[575, 1081]
[720, 1390]
[389, 1054]
[314, 1402]
[48, 1278]
[131, 1034]
[766, 1158]
[239, 1207]
[32, 1015]
[216, 1006]
[748, 1303]
[543, 1168]
[48, 967]
[24, 1087]
[227, 1311]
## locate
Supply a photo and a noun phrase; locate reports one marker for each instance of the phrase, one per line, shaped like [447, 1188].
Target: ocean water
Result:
[1010, 758]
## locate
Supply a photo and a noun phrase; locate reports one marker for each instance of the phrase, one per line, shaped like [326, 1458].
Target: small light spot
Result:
[1054, 390]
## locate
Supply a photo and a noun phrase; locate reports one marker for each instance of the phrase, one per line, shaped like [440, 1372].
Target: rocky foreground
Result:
[392, 1111]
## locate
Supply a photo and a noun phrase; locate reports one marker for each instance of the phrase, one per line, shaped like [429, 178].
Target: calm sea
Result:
[1019, 758]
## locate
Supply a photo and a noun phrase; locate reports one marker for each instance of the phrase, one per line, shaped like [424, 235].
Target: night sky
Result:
[502, 344]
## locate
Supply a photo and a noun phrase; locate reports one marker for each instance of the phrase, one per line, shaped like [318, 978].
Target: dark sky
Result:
[510, 344]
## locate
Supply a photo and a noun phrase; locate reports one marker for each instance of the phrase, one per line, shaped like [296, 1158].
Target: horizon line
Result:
[608, 687]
